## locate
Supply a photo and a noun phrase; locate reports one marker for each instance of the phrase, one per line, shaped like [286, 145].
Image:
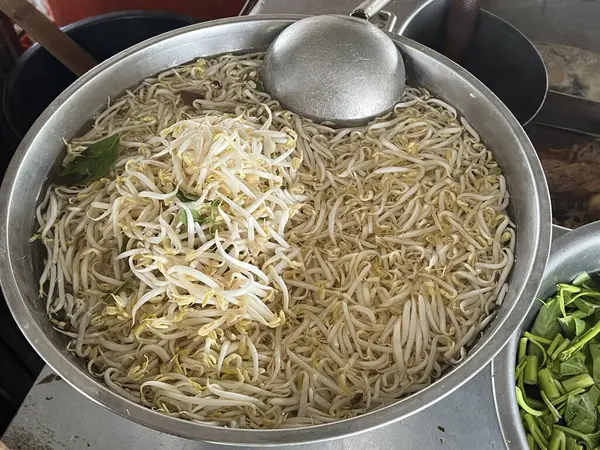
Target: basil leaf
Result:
[94, 163]
[195, 215]
[546, 323]
[580, 413]
[186, 197]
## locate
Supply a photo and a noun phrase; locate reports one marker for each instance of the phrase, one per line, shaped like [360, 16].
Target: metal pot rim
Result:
[491, 343]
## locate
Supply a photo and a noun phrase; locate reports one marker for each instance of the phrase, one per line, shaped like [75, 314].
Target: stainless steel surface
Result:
[55, 417]
[573, 253]
[498, 54]
[369, 8]
[52, 410]
[334, 68]
[568, 22]
[386, 19]
[570, 112]
[400, 8]
[42, 148]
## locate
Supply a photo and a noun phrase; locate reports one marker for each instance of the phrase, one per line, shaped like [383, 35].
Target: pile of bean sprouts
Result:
[246, 267]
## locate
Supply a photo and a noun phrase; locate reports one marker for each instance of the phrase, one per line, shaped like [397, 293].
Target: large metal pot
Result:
[572, 253]
[42, 150]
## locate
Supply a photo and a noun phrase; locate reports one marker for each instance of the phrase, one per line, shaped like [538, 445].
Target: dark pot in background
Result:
[498, 54]
[38, 78]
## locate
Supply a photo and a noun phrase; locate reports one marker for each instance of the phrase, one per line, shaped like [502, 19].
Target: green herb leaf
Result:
[580, 414]
[186, 197]
[594, 347]
[572, 326]
[593, 395]
[545, 423]
[546, 323]
[575, 365]
[195, 215]
[94, 163]
[585, 306]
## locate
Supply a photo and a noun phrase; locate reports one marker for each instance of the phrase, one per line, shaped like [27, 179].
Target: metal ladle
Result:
[334, 68]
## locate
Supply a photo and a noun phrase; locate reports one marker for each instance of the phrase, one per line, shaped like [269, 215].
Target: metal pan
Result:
[42, 149]
[572, 253]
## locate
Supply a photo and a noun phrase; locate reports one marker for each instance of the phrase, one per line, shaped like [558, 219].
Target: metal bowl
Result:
[42, 150]
[498, 54]
[575, 252]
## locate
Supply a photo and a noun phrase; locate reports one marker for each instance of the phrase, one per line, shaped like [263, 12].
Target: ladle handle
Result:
[369, 8]
[49, 36]
[459, 27]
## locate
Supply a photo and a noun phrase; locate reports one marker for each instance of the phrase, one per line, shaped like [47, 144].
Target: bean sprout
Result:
[243, 266]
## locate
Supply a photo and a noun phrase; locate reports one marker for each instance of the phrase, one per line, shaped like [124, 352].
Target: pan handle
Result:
[369, 8]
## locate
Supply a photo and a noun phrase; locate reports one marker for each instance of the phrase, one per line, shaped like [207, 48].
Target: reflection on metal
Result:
[572, 113]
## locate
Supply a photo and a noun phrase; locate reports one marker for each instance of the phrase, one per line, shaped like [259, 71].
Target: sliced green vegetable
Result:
[531, 370]
[580, 414]
[571, 444]
[575, 365]
[558, 440]
[582, 381]
[555, 343]
[593, 394]
[555, 414]
[591, 440]
[580, 342]
[563, 398]
[564, 345]
[535, 431]
[558, 352]
[522, 349]
[546, 324]
[584, 308]
[594, 348]
[523, 404]
[572, 326]
[581, 279]
[547, 384]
